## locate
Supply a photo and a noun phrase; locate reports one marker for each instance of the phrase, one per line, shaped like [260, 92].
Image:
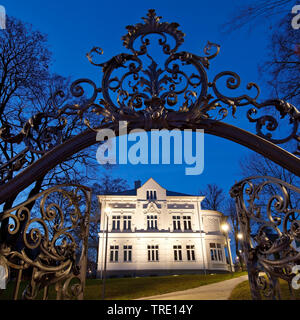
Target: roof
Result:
[132, 192]
[173, 193]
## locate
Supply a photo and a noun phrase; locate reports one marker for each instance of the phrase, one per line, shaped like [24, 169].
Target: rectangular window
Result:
[153, 253]
[187, 223]
[151, 222]
[212, 255]
[216, 252]
[176, 222]
[220, 255]
[177, 253]
[127, 223]
[116, 222]
[190, 253]
[114, 254]
[220, 252]
[151, 195]
[127, 250]
[213, 252]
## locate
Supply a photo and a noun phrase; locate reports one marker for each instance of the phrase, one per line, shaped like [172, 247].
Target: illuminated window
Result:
[177, 253]
[153, 253]
[190, 253]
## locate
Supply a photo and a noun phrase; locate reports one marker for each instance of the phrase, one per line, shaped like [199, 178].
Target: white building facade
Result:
[151, 231]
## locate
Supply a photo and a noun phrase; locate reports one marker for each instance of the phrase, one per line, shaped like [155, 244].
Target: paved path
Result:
[216, 291]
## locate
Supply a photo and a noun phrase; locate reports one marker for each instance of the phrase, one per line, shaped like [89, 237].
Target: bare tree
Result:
[24, 60]
[26, 88]
[281, 66]
[214, 197]
[29, 127]
[24, 67]
[251, 13]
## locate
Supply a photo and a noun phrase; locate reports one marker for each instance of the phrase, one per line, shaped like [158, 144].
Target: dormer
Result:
[151, 194]
[151, 191]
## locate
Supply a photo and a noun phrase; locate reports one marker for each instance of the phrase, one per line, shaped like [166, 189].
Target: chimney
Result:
[137, 184]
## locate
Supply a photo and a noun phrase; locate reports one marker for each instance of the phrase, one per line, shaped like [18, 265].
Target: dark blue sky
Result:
[74, 27]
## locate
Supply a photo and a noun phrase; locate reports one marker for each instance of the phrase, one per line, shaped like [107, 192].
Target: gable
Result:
[151, 186]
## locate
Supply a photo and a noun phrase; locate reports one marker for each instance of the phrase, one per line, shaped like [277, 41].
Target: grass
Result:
[242, 292]
[133, 288]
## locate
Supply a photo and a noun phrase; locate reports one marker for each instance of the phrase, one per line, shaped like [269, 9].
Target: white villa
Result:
[150, 231]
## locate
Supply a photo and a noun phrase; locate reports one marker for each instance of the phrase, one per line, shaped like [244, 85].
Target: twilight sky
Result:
[74, 27]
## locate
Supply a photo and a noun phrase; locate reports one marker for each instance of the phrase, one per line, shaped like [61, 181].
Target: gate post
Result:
[248, 251]
[84, 252]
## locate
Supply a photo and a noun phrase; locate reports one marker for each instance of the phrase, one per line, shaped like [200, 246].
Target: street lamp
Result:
[240, 237]
[225, 228]
[106, 211]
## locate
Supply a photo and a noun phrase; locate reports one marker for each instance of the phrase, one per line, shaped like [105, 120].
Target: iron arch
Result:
[136, 89]
[150, 96]
[63, 151]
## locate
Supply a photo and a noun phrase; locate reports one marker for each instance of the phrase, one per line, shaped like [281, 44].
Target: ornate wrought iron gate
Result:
[47, 238]
[270, 225]
[177, 95]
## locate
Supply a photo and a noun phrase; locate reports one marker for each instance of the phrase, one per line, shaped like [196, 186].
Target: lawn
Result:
[242, 292]
[133, 288]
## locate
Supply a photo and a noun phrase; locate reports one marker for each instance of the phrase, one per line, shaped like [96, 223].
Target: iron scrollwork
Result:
[48, 235]
[150, 92]
[269, 218]
[179, 90]
[172, 91]
[154, 93]
[37, 136]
